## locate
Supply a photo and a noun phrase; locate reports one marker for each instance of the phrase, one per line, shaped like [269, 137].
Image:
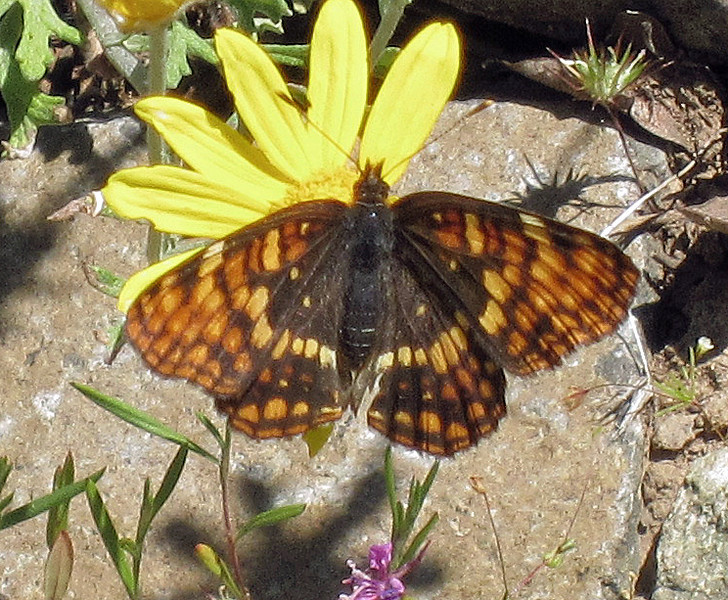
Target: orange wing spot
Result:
[452, 356]
[198, 354]
[133, 327]
[404, 356]
[552, 258]
[404, 419]
[271, 250]
[456, 432]
[179, 321]
[234, 269]
[485, 388]
[216, 328]
[242, 363]
[297, 346]
[205, 380]
[258, 302]
[248, 412]
[476, 411]
[214, 301]
[155, 323]
[496, 286]
[437, 358]
[493, 318]
[541, 299]
[465, 380]
[524, 316]
[240, 297]
[233, 340]
[516, 343]
[214, 368]
[300, 409]
[276, 409]
[430, 422]
[281, 345]
[311, 348]
[404, 386]
[162, 345]
[212, 259]
[201, 291]
[186, 371]
[474, 234]
[449, 392]
[296, 248]
[459, 338]
[262, 333]
[171, 300]
[448, 238]
[266, 375]
[513, 275]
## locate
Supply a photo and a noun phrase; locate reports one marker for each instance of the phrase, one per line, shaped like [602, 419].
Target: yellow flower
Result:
[142, 15]
[232, 181]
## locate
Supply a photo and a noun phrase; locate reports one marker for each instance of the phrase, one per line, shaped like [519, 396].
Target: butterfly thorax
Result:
[370, 239]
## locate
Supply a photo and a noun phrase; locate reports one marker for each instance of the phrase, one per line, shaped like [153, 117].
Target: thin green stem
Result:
[156, 86]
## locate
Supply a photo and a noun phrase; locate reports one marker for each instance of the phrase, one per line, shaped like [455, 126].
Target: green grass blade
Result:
[140, 419]
[271, 517]
[44, 503]
[111, 539]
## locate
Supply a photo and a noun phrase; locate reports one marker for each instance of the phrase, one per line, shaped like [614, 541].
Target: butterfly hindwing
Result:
[531, 288]
[249, 320]
[437, 390]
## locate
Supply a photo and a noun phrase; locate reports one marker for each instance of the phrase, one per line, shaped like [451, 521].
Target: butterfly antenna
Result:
[301, 104]
[457, 124]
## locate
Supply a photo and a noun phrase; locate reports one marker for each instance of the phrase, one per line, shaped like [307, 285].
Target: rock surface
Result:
[552, 470]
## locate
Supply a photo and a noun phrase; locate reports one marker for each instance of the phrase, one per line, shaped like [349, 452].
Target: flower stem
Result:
[156, 86]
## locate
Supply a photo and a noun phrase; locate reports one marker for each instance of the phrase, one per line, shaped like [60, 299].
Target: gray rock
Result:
[692, 554]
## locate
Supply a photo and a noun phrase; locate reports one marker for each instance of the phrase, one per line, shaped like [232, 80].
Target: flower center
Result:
[337, 184]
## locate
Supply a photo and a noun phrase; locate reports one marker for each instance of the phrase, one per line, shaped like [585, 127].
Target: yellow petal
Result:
[338, 82]
[413, 94]
[141, 280]
[177, 200]
[264, 103]
[210, 146]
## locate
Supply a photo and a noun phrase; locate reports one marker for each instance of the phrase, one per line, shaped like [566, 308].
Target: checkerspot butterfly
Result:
[418, 305]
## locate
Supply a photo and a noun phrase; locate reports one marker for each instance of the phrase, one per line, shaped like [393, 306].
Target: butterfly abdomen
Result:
[370, 232]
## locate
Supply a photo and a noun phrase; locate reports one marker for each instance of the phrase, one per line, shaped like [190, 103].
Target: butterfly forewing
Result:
[250, 320]
[530, 288]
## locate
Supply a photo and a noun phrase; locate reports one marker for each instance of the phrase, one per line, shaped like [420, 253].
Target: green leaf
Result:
[270, 517]
[111, 539]
[155, 503]
[317, 437]
[140, 419]
[291, 55]
[184, 42]
[58, 515]
[27, 107]
[44, 503]
[58, 568]
[5, 468]
[210, 426]
[249, 12]
[40, 24]
[104, 280]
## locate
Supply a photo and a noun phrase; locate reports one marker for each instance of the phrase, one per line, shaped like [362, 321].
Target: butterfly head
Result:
[371, 189]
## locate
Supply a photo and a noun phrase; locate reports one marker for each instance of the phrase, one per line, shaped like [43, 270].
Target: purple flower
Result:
[377, 582]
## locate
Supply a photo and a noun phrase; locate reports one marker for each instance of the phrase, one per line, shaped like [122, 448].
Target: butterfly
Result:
[417, 306]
